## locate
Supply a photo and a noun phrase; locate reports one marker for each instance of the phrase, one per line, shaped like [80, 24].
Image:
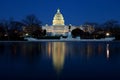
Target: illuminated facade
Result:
[58, 26]
[58, 19]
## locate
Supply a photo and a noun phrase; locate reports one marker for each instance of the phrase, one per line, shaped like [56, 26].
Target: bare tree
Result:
[31, 20]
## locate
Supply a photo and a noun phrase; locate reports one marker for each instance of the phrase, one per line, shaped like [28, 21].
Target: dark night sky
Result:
[75, 12]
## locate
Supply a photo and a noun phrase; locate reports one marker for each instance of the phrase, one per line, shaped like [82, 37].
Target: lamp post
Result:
[107, 34]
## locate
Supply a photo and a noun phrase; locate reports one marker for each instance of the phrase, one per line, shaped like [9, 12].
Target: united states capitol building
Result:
[58, 26]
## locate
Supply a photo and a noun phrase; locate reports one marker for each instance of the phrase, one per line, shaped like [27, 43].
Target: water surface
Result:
[59, 60]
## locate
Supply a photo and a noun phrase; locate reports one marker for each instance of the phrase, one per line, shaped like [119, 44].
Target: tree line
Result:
[16, 30]
[111, 26]
[32, 26]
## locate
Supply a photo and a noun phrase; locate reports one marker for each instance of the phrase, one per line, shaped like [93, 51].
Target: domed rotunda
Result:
[58, 18]
[58, 26]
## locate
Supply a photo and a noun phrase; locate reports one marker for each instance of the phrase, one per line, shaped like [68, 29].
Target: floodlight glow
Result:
[26, 34]
[107, 34]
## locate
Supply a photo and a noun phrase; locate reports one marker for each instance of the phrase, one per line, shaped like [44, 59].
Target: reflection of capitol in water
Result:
[108, 51]
[57, 50]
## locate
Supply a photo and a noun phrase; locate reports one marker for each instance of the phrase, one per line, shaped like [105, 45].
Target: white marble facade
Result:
[58, 26]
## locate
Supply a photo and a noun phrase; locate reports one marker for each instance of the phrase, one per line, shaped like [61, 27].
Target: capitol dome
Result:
[58, 18]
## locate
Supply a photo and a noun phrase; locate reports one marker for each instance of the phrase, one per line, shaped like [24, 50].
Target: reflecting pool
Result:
[59, 60]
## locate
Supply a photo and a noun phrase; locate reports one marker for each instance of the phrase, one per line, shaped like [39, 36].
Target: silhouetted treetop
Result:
[31, 20]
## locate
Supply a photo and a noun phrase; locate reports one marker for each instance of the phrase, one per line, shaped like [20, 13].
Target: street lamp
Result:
[107, 34]
[26, 34]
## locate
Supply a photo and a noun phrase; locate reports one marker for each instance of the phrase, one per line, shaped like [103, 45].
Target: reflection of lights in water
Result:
[49, 49]
[108, 52]
[58, 55]
[99, 48]
[89, 50]
[14, 49]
